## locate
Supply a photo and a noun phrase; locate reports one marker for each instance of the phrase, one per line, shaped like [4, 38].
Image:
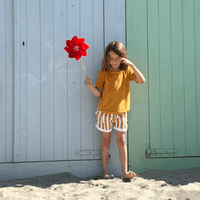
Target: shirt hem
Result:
[113, 112]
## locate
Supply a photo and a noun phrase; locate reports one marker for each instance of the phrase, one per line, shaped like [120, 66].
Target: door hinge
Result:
[160, 151]
[91, 153]
[88, 152]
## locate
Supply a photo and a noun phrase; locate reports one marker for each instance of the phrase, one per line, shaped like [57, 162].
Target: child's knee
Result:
[106, 142]
[121, 142]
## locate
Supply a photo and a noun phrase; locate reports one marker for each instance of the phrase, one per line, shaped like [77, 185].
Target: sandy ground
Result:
[153, 184]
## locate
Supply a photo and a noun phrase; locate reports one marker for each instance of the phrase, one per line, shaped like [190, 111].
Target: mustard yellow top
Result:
[116, 93]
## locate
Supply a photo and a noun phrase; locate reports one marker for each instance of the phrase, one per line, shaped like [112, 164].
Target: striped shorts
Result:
[106, 121]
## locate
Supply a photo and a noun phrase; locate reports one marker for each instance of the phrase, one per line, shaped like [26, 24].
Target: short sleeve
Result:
[132, 75]
[100, 79]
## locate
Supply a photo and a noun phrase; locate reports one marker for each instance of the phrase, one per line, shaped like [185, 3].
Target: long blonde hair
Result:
[118, 48]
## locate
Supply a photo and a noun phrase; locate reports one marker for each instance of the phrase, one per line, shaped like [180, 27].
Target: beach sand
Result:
[181, 184]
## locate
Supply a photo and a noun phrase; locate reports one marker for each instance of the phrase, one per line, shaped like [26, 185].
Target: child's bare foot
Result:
[130, 175]
[111, 176]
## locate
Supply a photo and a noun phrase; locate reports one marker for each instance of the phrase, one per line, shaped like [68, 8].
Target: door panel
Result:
[168, 103]
[54, 111]
[54, 118]
[161, 68]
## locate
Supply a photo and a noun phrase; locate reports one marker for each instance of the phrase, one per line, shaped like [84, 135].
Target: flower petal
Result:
[81, 40]
[68, 43]
[85, 46]
[74, 40]
[78, 57]
[84, 53]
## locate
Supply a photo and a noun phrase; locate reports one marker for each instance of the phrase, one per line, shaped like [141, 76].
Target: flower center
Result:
[76, 48]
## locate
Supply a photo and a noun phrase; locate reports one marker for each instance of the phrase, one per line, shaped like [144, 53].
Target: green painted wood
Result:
[163, 42]
[138, 133]
[164, 33]
[189, 78]
[197, 63]
[178, 76]
[154, 75]
[164, 164]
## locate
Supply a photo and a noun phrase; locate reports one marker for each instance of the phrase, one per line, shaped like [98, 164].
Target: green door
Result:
[163, 41]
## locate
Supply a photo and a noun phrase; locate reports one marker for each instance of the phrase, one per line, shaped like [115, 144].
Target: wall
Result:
[51, 112]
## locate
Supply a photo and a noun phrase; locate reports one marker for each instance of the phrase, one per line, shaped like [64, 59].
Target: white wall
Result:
[54, 113]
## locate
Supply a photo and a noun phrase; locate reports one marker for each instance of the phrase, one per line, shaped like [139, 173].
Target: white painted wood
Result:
[114, 15]
[81, 169]
[3, 82]
[74, 83]
[60, 80]
[98, 52]
[115, 21]
[16, 85]
[47, 86]
[34, 79]
[22, 81]
[54, 111]
[9, 82]
[87, 106]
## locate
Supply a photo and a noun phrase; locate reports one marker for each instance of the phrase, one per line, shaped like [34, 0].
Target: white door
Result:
[54, 111]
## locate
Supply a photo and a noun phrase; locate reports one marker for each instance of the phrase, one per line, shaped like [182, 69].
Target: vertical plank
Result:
[47, 82]
[114, 22]
[138, 133]
[87, 123]
[189, 78]
[74, 82]
[60, 79]
[6, 81]
[98, 52]
[178, 76]
[9, 81]
[33, 81]
[197, 65]
[23, 79]
[165, 75]
[3, 81]
[154, 75]
[16, 83]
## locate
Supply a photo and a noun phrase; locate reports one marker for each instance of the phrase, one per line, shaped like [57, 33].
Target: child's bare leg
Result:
[106, 138]
[121, 143]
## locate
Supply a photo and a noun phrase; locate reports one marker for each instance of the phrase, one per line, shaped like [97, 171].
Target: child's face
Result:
[114, 61]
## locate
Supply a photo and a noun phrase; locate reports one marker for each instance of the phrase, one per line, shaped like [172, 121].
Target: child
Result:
[112, 87]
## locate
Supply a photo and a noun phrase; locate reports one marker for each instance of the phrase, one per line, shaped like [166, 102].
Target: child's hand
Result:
[88, 82]
[126, 61]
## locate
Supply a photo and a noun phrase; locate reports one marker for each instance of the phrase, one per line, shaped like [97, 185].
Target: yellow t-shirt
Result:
[116, 93]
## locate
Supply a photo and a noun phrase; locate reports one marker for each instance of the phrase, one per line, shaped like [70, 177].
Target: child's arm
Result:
[96, 91]
[139, 76]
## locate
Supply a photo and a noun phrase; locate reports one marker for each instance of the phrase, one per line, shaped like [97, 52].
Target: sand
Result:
[153, 184]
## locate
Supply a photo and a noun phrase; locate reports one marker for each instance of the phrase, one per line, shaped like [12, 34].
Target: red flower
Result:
[76, 47]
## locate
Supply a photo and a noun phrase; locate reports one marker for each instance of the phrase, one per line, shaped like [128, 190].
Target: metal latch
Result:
[88, 152]
[160, 151]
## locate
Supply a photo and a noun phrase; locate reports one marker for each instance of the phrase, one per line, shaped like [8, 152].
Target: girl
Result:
[112, 87]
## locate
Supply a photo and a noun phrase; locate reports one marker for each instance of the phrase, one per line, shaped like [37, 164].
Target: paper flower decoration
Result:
[76, 48]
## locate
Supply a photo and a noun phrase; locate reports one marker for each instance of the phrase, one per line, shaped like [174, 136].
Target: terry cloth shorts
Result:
[106, 121]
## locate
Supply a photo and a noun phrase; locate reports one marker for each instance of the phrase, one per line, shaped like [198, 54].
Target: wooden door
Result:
[54, 110]
[163, 40]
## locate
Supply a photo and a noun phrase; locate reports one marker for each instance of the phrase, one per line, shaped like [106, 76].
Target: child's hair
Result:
[118, 48]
